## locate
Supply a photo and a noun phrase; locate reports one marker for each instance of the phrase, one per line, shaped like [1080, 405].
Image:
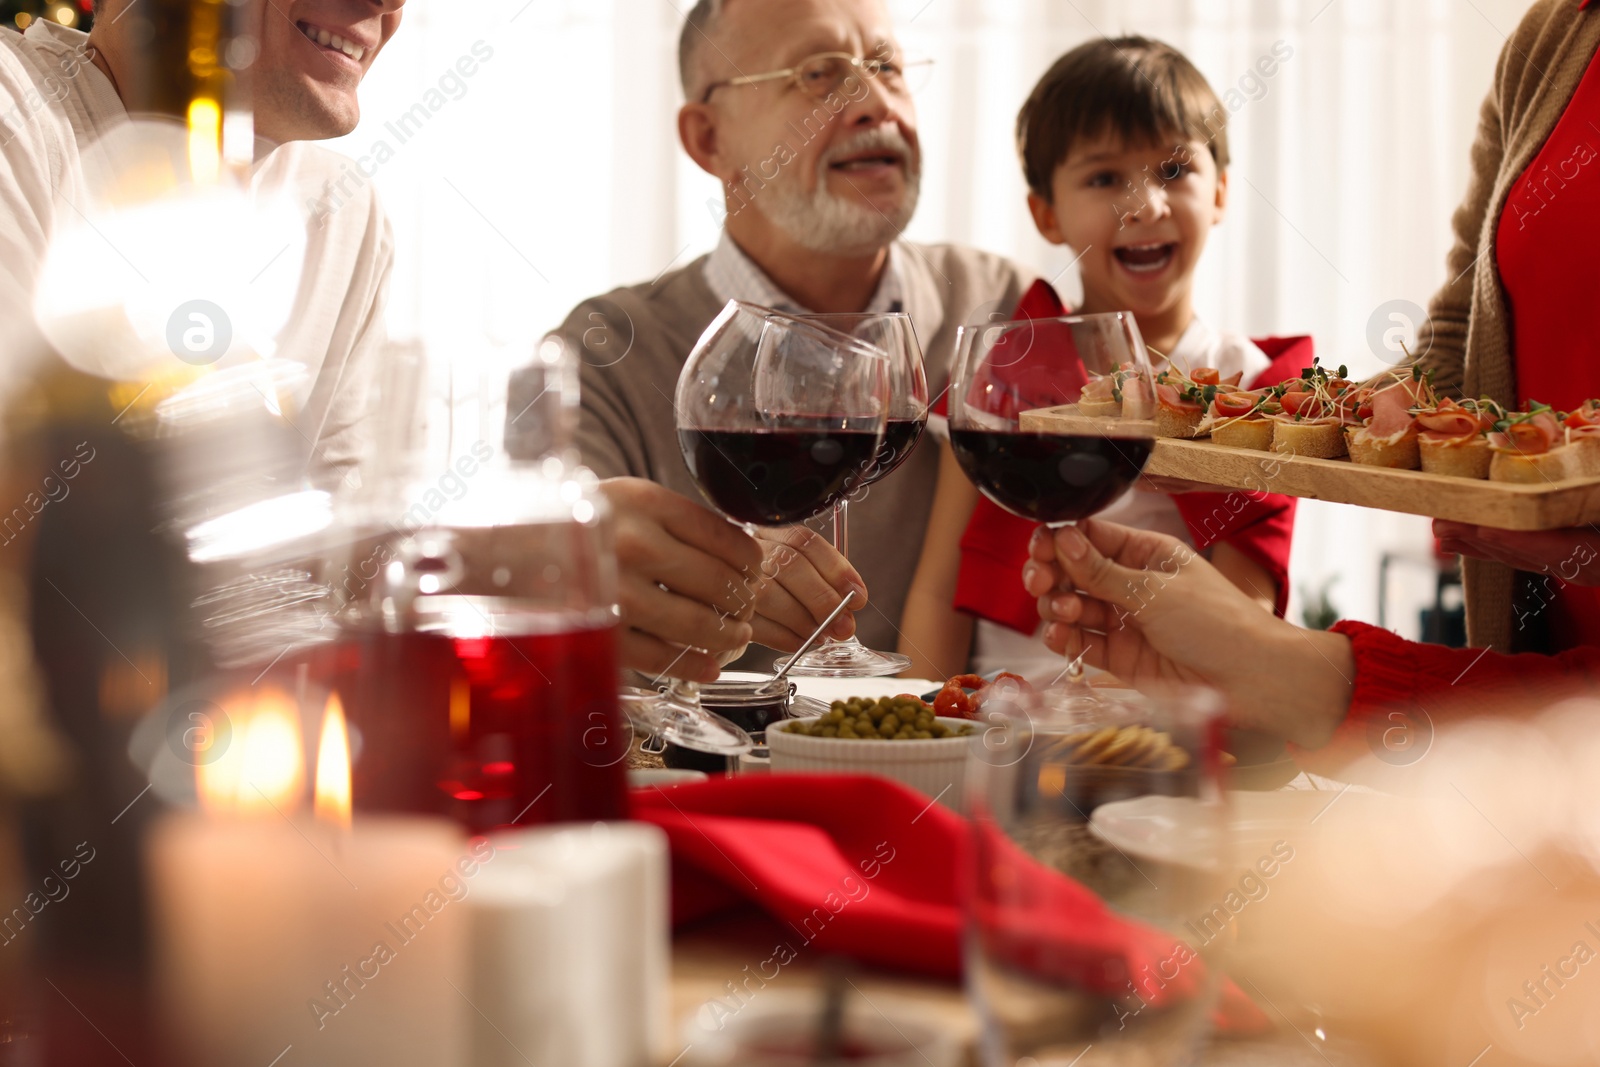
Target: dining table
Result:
[711, 957]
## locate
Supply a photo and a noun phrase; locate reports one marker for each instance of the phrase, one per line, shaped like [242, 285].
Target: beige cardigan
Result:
[1468, 334]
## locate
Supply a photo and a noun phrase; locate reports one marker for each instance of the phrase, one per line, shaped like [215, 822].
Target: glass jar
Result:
[477, 662]
[746, 699]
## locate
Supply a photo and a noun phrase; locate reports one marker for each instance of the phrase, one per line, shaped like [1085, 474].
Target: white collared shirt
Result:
[733, 275]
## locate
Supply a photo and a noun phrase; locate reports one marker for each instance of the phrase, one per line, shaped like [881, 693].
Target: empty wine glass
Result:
[778, 418]
[908, 416]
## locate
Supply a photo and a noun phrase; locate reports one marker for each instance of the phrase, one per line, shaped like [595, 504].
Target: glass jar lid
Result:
[745, 689]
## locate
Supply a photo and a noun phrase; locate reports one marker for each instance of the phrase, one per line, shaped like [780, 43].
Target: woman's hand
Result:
[1147, 608]
[1573, 556]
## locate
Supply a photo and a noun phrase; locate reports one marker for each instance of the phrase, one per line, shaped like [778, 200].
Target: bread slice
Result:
[1100, 409]
[1542, 469]
[1244, 433]
[1171, 422]
[1459, 457]
[1400, 453]
[1315, 440]
[1587, 449]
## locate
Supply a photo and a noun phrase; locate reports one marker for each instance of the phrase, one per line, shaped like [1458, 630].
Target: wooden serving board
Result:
[1553, 506]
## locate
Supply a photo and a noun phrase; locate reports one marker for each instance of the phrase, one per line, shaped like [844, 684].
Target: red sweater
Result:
[1544, 249]
[1405, 686]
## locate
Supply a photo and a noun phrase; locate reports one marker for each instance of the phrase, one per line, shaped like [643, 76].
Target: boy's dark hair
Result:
[1145, 90]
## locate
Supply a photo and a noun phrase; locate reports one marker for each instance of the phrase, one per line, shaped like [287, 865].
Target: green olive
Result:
[898, 718]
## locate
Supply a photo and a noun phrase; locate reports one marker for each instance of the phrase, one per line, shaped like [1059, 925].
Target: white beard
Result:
[822, 222]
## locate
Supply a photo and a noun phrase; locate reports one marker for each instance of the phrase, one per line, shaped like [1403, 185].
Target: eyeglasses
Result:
[825, 73]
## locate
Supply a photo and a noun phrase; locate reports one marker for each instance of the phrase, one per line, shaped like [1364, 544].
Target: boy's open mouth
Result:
[1145, 259]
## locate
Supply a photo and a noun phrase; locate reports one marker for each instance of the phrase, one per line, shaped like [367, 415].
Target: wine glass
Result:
[1067, 466]
[908, 416]
[1100, 854]
[1052, 419]
[777, 418]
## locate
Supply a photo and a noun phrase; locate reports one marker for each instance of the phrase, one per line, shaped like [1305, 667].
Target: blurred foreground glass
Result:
[1092, 968]
[476, 604]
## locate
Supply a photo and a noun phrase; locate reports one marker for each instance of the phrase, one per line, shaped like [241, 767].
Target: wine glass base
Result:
[846, 659]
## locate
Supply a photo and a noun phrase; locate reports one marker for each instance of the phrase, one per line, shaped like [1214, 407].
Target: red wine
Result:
[777, 477]
[516, 728]
[900, 436]
[1050, 477]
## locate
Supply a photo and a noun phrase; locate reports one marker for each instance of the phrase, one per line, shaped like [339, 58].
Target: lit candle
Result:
[320, 941]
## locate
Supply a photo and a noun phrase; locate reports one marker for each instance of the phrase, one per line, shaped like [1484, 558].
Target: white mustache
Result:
[885, 138]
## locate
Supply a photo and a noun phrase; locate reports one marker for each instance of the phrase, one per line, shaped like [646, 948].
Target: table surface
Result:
[709, 960]
[708, 957]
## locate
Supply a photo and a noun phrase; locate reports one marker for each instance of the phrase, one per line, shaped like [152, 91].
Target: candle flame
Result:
[332, 801]
[262, 772]
[205, 140]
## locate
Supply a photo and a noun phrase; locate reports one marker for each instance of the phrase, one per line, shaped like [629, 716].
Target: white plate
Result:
[1178, 829]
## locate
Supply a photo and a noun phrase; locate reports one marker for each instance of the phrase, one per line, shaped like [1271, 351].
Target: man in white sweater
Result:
[93, 587]
[62, 90]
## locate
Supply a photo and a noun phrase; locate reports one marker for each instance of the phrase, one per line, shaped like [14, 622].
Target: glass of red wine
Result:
[1092, 376]
[1052, 419]
[908, 416]
[778, 418]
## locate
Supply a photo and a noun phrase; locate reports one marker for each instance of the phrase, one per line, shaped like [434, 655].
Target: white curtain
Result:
[552, 171]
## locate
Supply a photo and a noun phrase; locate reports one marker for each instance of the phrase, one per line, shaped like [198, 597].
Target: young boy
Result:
[1125, 150]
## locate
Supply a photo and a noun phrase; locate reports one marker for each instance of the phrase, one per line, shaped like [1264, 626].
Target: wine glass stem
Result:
[841, 527]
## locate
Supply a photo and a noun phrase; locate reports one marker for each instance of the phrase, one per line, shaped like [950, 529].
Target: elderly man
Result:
[800, 108]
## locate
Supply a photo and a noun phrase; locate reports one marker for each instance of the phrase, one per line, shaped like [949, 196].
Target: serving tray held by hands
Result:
[1550, 506]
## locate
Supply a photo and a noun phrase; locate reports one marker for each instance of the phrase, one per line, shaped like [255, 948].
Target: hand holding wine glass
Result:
[683, 573]
[777, 419]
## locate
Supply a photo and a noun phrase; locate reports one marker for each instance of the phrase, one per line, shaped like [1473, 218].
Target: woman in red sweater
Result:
[1146, 607]
[1518, 320]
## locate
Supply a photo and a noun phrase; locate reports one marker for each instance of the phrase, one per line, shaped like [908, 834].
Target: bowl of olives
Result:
[894, 737]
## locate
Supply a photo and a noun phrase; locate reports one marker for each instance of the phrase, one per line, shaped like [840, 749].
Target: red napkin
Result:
[866, 867]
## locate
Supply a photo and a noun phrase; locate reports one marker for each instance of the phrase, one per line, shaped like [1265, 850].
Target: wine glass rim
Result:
[802, 320]
[968, 328]
[810, 315]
